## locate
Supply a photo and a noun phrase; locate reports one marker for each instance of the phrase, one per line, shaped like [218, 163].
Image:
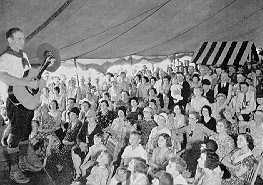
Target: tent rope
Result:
[187, 30]
[108, 29]
[49, 20]
[121, 34]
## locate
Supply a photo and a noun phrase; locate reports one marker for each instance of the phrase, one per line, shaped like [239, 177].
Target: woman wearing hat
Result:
[156, 131]
[219, 105]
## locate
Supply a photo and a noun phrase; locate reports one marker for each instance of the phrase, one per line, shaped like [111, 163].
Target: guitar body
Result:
[28, 100]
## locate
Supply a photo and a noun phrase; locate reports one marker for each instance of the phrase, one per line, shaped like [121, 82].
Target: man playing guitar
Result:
[14, 65]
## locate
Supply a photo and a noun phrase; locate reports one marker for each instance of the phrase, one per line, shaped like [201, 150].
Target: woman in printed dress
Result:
[62, 158]
[121, 127]
[161, 154]
[224, 142]
[241, 161]
[46, 129]
[105, 116]
[176, 121]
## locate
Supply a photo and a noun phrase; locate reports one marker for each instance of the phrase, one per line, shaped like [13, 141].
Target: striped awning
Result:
[225, 53]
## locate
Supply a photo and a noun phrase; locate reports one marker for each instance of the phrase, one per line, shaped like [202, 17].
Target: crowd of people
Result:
[199, 126]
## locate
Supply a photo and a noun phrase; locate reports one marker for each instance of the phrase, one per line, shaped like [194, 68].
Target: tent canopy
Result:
[111, 29]
[225, 53]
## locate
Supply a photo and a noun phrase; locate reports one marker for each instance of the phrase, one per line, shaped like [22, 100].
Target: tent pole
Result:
[75, 65]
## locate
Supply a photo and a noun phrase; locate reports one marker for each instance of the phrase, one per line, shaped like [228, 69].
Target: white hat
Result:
[163, 116]
[84, 100]
[192, 64]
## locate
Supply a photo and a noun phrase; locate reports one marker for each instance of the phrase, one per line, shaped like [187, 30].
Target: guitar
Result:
[28, 97]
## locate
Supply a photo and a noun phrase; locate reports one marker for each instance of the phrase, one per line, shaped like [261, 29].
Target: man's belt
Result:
[15, 102]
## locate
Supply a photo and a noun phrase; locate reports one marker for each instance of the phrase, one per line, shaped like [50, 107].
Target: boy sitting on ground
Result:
[135, 149]
[81, 162]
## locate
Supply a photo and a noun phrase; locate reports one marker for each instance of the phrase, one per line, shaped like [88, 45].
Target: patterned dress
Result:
[63, 156]
[245, 160]
[105, 120]
[145, 127]
[42, 138]
[225, 145]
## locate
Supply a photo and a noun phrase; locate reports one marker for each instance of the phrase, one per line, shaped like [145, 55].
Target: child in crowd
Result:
[177, 168]
[138, 168]
[156, 131]
[161, 154]
[260, 101]
[92, 155]
[3, 115]
[135, 149]
[100, 173]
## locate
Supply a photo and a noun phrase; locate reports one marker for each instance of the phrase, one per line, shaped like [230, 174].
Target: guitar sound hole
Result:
[32, 91]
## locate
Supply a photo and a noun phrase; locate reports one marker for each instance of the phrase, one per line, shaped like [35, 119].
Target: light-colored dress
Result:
[161, 157]
[98, 176]
[211, 177]
[225, 145]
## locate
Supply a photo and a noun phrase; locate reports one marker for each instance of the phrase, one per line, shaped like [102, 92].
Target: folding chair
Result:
[113, 147]
[251, 179]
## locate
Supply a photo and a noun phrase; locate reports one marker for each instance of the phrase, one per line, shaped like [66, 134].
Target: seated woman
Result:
[177, 168]
[56, 114]
[121, 127]
[43, 127]
[219, 105]
[99, 174]
[206, 118]
[121, 177]
[93, 153]
[241, 161]
[163, 178]
[161, 154]
[196, 133]
[146, 125]
[176, 121]
[152, 95]
[105, 116]
[209, 172]
[224, 142]
[138, 169]
[156, 131]
[62, 159]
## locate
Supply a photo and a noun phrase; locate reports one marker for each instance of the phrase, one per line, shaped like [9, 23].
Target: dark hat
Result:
[212, 160]
[259, 93]
[211, 145]
[206, 82]
[74, 110]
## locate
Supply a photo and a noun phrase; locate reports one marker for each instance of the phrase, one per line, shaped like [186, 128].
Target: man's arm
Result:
[14, 81]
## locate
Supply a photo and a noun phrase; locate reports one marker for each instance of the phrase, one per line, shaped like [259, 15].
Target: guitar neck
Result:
[42, 69]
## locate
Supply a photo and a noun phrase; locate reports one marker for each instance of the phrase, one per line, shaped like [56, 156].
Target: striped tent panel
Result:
[224, 53]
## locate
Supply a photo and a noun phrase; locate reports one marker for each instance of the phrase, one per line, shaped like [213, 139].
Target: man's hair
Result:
[244, 83]
[137, 133]
[73, 99]
[11, 31]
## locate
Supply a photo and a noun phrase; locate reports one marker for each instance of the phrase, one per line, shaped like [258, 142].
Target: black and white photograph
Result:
[131, 92]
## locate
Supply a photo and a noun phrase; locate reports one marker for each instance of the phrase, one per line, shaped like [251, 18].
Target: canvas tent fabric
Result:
[225, 53]
[103, 67]
[102, 29]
